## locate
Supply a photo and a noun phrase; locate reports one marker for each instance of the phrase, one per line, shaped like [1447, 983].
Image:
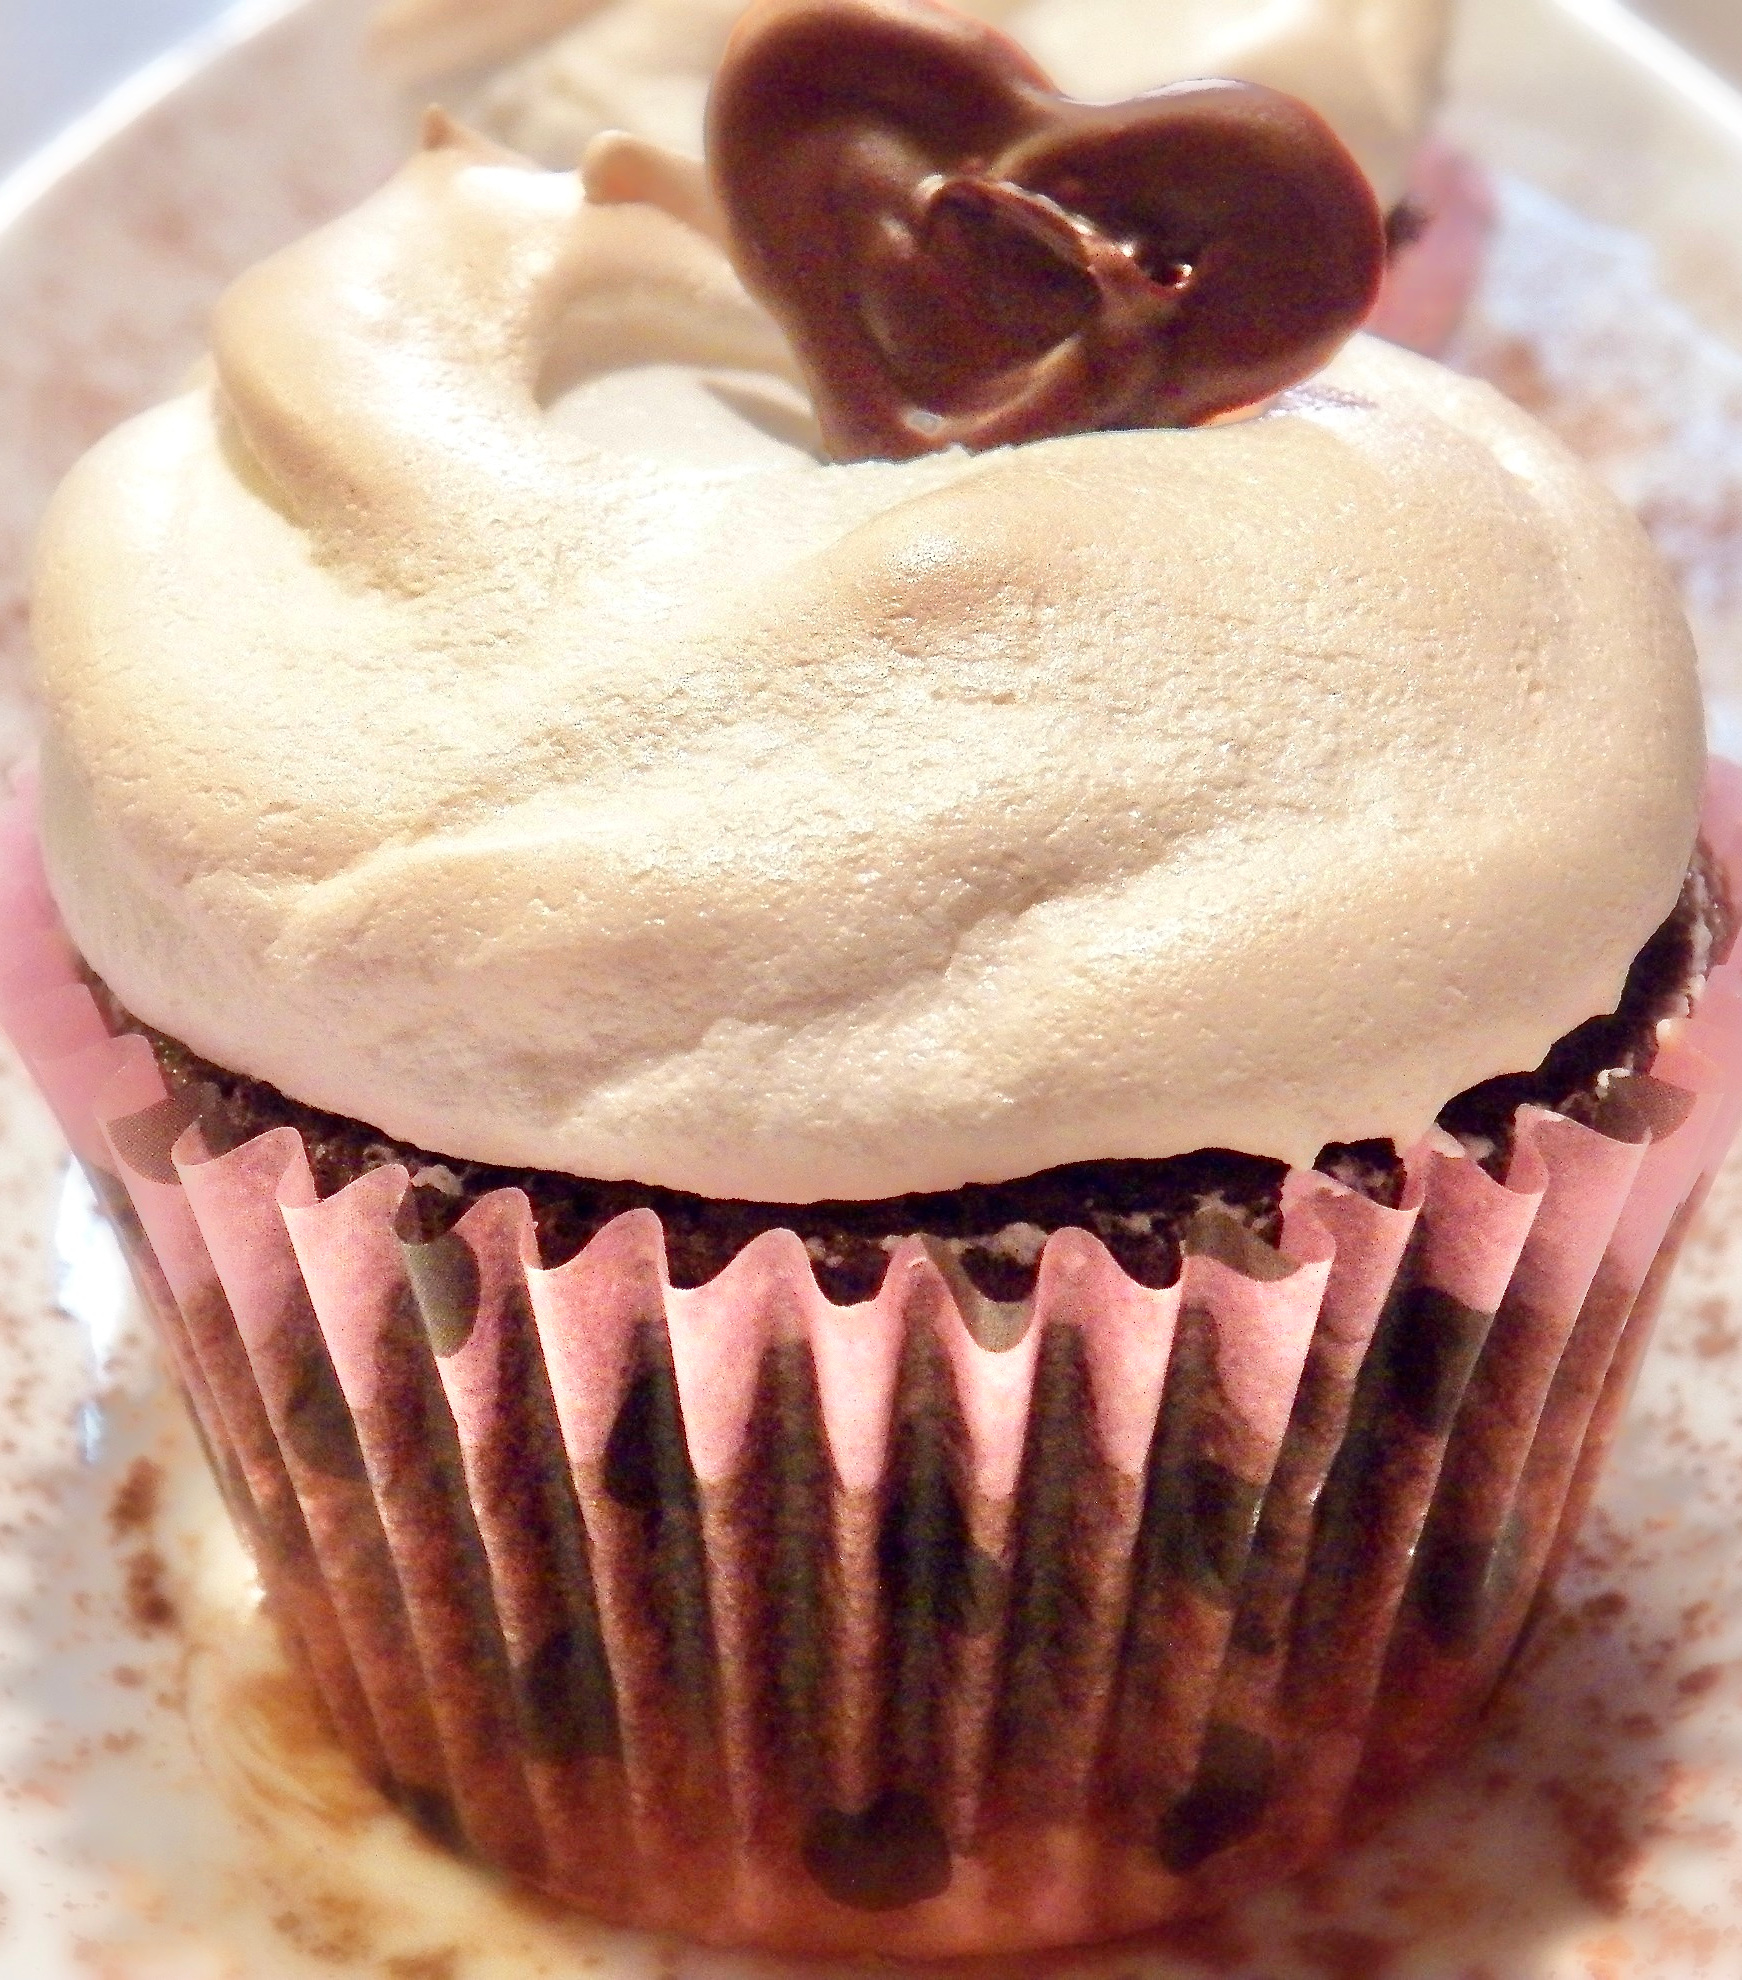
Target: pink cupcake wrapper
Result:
[921, 1625]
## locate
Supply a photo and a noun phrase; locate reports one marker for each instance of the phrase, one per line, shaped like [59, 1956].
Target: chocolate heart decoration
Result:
[960, 256]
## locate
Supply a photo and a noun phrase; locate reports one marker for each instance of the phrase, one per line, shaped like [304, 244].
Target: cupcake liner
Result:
[924, 1625]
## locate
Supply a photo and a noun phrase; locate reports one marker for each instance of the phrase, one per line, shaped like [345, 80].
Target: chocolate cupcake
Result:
[904, 1139]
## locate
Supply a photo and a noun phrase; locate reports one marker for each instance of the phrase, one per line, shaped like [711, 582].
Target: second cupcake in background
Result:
[906, 1139]
[548, 76]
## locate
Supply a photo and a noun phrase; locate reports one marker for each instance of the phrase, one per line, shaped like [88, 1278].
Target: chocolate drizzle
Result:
[963, 257]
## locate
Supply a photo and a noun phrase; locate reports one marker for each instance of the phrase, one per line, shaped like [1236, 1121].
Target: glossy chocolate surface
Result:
[961, 256]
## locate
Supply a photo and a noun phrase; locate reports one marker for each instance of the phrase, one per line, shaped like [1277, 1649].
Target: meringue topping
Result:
[476, 708]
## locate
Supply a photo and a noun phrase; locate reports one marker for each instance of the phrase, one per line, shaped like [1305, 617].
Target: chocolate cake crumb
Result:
[1140, 1209]
[1666, 975]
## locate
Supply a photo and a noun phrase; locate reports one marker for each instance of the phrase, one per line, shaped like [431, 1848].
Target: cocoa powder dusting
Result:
[136, 1499]
[1609, 1606]
[1595, 427]
[1602, 1856]
[329, 1929]
[1717, 1335]
[149, 1606]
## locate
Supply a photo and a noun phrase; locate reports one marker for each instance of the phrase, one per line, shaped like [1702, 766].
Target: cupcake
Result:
[905, 1137]
[548, 76]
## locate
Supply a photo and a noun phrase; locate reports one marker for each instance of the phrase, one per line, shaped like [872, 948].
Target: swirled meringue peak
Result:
[477, 709]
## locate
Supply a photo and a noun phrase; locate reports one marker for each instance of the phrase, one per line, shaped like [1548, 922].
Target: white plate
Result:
[167, 1811]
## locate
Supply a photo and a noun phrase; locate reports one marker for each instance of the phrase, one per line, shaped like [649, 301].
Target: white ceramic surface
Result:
[58, 58]
[166, 1810]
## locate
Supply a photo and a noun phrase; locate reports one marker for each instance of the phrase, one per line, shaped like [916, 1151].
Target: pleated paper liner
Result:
[922, 1626]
